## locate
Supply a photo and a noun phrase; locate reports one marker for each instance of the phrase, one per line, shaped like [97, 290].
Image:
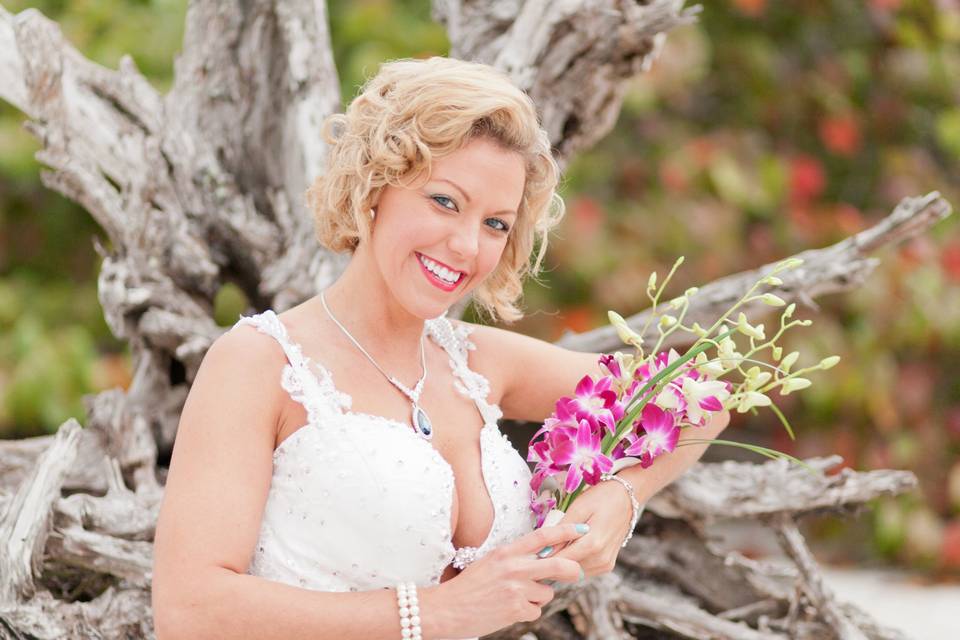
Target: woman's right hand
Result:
[503, 587]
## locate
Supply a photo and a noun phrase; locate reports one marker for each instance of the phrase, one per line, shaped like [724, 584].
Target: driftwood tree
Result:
[202, 187]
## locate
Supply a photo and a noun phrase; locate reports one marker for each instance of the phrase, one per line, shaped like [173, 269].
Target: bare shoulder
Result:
[221, 465]
[248, 355]
[531, 373]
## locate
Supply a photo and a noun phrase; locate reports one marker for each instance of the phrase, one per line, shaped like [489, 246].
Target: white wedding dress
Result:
[360, 502]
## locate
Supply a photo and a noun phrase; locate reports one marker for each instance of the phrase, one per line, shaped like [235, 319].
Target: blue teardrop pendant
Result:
[422, 422]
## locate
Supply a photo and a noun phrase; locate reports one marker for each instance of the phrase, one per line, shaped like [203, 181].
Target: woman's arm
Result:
[535, 373]
[532, 373]
[670, 466]
[211, 512]
[220, 603]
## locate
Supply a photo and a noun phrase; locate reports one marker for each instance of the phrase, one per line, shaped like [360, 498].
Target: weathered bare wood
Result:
[573, 57]
[663, 607]
[25, 520]
[812, 582]
[745, 490]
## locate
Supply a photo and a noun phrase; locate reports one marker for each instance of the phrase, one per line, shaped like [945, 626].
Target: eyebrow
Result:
[467, 195]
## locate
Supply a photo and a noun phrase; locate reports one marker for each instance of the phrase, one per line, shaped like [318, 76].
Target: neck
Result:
[360, 300]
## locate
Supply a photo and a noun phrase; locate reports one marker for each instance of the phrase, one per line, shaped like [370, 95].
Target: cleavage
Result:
[469, 528]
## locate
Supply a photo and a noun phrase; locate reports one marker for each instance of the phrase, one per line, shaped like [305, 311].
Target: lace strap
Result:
[316, 393]
[455, 341]
[268, 323]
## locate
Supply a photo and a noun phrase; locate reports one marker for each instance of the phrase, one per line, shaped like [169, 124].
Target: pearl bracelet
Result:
[409, 611]
[637, 508]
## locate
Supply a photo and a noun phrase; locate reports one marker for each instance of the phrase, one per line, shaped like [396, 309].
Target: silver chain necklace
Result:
[420, 419]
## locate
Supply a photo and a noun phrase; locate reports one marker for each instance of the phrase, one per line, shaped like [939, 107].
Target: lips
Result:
[436, 281]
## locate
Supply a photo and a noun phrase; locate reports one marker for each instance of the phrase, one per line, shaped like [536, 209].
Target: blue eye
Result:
[503, 225]
[438, 198]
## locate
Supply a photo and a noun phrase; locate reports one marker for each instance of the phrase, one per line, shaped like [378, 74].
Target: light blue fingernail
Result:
[582, 575]
[543, 553]
[583, 528]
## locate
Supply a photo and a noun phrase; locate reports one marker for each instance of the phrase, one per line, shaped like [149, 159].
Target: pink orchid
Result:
[597, 402]
[619, 451]
[660, 435]
[541, 503]
[584, 457]
[564, 415]
[543, 451]
[610, 363]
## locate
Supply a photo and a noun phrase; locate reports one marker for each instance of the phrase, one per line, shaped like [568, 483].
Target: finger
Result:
[558, 569]
[537, 539]
[554, 549]
[540, 594]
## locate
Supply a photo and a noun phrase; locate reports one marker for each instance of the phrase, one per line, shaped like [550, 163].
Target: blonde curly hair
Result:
[412, 111]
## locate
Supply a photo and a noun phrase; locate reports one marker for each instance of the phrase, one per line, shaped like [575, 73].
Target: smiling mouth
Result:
[439, 275]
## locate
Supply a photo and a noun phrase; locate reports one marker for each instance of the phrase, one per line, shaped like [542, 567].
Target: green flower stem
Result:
[770, 453]
[772, 341]
[656, 296]
[777, 269]
[779, 382]
[684, 306]
[783, 420]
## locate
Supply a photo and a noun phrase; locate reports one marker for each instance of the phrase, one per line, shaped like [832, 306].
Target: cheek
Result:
[492, 257]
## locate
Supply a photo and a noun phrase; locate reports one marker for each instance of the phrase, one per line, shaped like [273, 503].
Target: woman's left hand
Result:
[607, 509]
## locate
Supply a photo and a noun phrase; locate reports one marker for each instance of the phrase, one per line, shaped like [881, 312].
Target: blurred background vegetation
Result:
[763, 130]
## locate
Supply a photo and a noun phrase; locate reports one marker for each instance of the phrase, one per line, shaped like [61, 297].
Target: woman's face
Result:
[455, 223]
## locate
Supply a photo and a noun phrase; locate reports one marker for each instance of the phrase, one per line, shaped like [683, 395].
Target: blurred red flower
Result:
[807, 178]
[751, 8]
[840, 134]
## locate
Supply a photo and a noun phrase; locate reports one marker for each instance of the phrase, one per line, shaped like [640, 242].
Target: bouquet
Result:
[636, 411]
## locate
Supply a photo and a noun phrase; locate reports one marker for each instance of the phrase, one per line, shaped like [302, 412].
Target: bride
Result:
[338, 469]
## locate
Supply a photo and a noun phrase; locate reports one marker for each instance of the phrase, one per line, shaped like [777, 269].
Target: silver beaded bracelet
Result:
[637, 508]
[409, 611]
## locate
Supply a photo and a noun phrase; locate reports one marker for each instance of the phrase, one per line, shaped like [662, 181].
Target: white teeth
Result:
[441, 272]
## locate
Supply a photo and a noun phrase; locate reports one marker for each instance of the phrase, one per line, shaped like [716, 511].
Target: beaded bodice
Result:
[359, 501]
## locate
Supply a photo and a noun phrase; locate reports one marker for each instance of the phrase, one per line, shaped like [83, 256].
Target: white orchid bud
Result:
[667, 321]
[788, 312]
[692, 290]
[652, 281]
[727, 351]
[747, 329]
[772, 300]
[829, 362]
[788, 360]
[794, 384]
[776, 352]
[626, 334]
[697, 329]
[772, 280]
[791, 263]
[752, 399]
[705, 366]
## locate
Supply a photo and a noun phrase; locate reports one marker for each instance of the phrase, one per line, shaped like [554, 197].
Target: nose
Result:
[465, 241]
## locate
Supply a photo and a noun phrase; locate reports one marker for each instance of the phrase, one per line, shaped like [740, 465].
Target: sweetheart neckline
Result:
[340, 408]
[434, 454]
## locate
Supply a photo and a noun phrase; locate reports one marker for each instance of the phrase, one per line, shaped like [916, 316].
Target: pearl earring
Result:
[373, 214]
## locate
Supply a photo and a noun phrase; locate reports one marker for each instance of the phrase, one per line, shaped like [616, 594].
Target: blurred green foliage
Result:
[762, 130]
